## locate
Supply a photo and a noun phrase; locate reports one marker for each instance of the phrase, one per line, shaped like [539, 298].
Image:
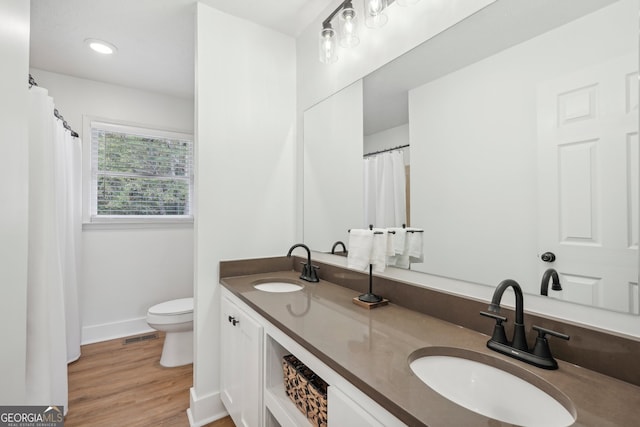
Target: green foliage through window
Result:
[137, 175]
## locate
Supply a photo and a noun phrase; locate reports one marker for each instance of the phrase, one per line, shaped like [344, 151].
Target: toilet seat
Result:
[175, 306]
[171, 312]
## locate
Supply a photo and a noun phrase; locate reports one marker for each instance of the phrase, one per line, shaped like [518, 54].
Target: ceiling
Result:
[155, 38]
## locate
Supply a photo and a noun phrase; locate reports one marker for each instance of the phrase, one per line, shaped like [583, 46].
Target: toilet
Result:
[175, 318]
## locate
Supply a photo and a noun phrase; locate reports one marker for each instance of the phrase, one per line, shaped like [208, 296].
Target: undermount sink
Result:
[488, 390]
[277, 285]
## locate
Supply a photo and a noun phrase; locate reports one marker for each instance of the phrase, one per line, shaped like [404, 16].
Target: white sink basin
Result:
[277, 286]
[490, 391]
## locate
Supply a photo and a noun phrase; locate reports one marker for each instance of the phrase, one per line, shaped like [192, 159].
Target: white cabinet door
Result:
[343, 411]
[241, 365]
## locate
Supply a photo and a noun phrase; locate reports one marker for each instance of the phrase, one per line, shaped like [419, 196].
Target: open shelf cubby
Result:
[282, 411]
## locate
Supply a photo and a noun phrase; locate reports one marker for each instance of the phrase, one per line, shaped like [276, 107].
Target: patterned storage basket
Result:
[307, 390]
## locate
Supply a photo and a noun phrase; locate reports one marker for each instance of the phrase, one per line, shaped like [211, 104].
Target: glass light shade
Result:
[374, 13]
[327, 46]
[348, 27]
[406, 2]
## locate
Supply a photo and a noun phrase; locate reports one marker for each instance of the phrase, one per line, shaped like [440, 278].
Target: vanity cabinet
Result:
[241, 358]
[257, 397]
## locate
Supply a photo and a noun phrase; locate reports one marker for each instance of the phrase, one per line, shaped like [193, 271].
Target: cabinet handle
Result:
[231, 319]
[235, 322]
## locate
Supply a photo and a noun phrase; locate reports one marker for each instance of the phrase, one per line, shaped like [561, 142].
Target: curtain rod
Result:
[386, 150]
[56, 113]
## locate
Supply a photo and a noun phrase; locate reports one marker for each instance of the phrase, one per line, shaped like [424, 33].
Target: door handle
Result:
[548, 257]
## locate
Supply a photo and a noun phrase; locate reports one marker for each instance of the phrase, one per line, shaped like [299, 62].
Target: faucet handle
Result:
[544, 331]
[499, 319]
[498, 331]
[542, 345]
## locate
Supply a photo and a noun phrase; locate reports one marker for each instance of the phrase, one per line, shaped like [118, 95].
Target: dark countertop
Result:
[371, 349]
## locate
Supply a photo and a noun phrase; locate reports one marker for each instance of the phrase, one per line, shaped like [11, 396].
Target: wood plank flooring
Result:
[117, 384]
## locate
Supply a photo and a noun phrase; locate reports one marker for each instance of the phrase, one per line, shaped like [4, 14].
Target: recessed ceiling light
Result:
[101, 46]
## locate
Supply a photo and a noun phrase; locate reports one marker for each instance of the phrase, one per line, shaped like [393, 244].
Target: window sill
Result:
[137, 223]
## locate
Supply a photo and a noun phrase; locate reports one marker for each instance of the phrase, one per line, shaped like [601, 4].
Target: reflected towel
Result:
[379, 249]
[360, 246]
[398, 239]
[415, 244]
[402, 261]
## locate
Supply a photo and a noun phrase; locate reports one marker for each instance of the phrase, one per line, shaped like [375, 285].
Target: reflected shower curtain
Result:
[385, 190]
[53, 324]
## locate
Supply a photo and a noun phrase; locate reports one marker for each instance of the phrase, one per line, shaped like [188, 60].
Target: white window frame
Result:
[90, 175]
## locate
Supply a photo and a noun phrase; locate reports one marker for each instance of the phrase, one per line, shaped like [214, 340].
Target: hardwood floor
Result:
[117, 384]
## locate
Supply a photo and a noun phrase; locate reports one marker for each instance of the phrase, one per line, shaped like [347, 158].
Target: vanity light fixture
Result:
[101, 46]
[347, 34]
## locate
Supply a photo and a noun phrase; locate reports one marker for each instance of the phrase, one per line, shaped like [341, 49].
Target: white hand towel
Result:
[379, 250]
[389, 251]
[360, 245]
[402, 261]
[398, 239]
[415, 245]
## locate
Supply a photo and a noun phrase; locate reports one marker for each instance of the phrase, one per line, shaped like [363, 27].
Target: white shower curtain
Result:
[385, 190]
[53, 324]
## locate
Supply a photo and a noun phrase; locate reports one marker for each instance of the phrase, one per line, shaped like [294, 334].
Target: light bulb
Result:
[348, 28]
[374, 13]
[375, 7]
[327, 46]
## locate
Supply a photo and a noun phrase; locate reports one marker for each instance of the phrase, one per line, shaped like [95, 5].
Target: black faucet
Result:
[517, 348]
[336, 244]
[519, 338]
[544, 285]
[309, 272]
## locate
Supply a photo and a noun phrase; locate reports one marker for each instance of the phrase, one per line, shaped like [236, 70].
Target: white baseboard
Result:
[205, 409]
[109, 331]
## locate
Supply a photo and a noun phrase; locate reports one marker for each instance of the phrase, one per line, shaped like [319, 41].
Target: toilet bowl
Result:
[175, 318]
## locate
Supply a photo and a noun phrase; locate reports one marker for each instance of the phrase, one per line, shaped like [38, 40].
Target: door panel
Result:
[588, 183]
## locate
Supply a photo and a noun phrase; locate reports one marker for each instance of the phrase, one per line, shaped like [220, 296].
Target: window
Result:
[139, 173]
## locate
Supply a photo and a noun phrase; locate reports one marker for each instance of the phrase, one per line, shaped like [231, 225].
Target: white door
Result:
[588, 183]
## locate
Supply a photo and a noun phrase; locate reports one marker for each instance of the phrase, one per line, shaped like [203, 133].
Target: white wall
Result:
[14, 51]
[477, 147]
[125, 269]
[332, 137]
[77, 97]
[245, 172]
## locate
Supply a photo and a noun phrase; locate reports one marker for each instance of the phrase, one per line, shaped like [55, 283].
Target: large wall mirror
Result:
[522, 122]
